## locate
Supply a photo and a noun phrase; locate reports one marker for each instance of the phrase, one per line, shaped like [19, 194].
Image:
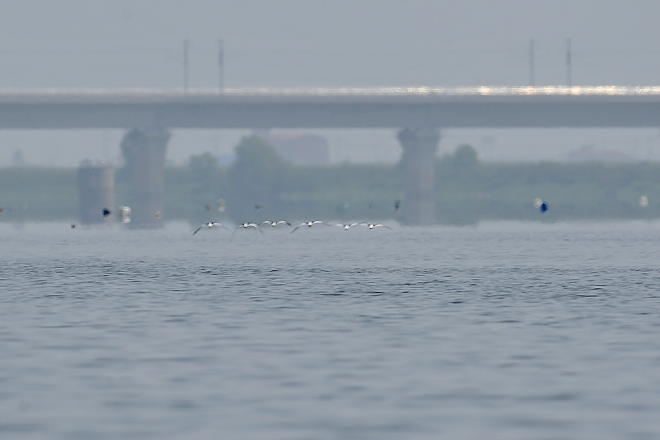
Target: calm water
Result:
[505, 330]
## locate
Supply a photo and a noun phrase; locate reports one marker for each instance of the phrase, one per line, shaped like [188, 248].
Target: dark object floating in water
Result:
[258, 206]
[208, 207]
[106, 212]
[73, 226]
[397, 205]
[371, 205]
[541, 205]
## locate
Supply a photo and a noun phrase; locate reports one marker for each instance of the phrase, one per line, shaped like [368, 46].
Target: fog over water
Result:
[119, 44]
[505, 330]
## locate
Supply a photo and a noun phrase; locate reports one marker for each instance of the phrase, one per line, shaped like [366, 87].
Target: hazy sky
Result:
[122, 43]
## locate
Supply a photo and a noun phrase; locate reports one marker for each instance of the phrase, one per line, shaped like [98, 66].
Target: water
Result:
[505, 330]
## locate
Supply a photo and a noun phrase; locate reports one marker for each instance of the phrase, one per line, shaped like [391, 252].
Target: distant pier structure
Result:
[96, 183]
[144, 152]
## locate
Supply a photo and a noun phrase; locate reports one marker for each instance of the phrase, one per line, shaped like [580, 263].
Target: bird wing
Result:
[296, 228]
[197, 230]
[379, 225]
[266, 222]
[256, 226]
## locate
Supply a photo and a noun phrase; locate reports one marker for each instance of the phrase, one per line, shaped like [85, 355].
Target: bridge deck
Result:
[395, 107]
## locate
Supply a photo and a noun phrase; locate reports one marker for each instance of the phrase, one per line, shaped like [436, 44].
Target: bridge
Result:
[420, 112]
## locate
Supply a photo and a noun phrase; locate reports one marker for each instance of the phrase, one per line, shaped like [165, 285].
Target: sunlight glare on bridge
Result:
[548, 90]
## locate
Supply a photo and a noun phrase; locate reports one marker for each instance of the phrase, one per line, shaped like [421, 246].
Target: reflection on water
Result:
[505, 330]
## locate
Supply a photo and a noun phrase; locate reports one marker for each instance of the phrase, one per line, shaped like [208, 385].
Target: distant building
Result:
[588, 153]
[301, 149]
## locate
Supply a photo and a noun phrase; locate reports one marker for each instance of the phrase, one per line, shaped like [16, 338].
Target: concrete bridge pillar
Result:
[96, 183]
[144, 152]
[418, 160]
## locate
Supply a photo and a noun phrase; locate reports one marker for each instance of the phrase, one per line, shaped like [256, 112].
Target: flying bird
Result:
[375, 225]
[209, 225]
[309, 224]
[247, 225]
[274, 224]
[346, 226]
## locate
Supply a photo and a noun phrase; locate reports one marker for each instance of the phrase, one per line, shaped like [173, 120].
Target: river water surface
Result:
[499, 331]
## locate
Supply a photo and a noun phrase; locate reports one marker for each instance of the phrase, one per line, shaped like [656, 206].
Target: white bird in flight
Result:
[375, 225]
[247, 225]
[209, 225]
[274, 224]
[346, 226]
[309, 224]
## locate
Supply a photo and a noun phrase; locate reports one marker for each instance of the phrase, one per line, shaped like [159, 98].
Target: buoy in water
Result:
[124, 214]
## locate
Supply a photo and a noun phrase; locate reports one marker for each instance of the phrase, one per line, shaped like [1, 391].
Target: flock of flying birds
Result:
[274, 224]
[125, 217]
[285, 223]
